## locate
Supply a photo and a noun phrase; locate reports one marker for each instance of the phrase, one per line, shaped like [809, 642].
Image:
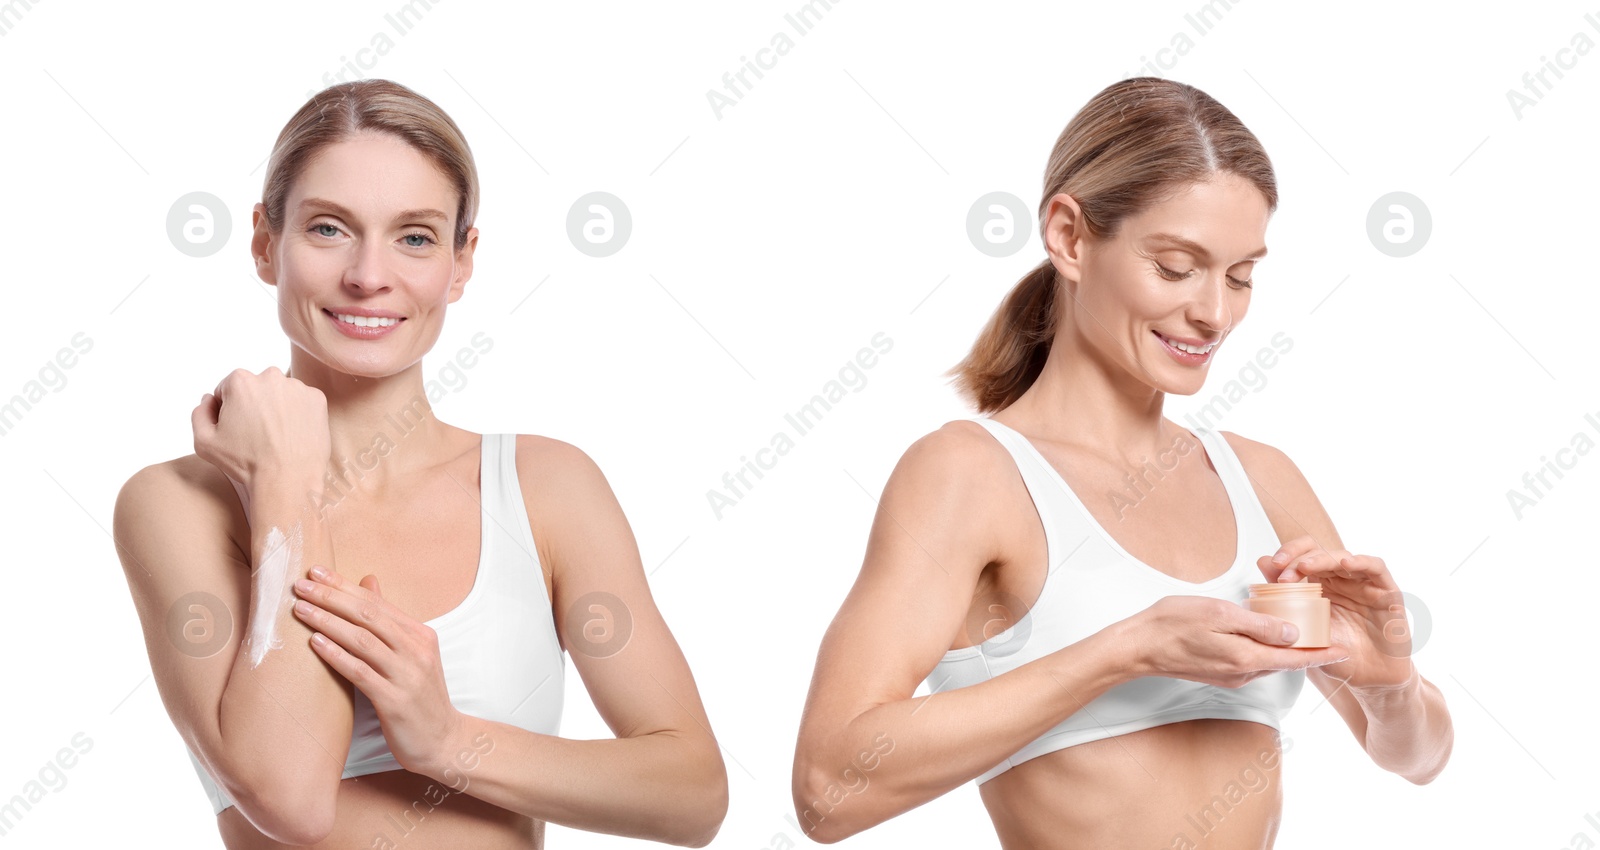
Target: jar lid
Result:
[1302, 589]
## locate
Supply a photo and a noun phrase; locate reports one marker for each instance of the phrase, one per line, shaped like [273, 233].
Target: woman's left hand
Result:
[391, 656]
[1367, 610]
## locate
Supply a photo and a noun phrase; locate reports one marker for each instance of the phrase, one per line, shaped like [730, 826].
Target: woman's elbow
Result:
[712, 811]
[823, 829]
[820, 818]
[708, 804]
[1432, 771]
[296, 813]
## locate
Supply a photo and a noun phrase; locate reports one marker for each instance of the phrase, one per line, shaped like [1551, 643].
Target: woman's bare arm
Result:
[275, 735]
[867, 750]
[662, 777]
[1405, 728]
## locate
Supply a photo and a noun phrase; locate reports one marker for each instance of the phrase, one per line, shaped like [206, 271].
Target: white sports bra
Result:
[1093, 582]
[502, 660]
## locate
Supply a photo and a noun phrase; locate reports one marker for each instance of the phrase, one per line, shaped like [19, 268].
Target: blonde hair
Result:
[1133, 145]
[340, 112]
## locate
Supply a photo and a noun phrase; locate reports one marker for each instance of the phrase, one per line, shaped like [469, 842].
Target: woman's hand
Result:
[391, 656]
[1368, 612]
[1217, 642]
[267, 421]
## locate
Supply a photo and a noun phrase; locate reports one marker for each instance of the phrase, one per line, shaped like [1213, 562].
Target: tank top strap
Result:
[490, 473]
[1229, 469]
[503, 506]
[1255, 526]
[1050, 500]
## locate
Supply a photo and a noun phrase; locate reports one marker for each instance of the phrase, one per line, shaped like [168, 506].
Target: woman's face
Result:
[367, 229]
[1178, 271]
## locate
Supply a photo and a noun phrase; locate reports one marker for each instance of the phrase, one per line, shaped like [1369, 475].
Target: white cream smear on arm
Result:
[280, 560]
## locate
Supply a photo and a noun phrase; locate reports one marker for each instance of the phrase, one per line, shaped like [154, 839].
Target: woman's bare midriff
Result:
[1193, 784]
[401, 809]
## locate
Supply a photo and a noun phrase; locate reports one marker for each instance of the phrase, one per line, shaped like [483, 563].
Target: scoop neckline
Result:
[483, 541]
[1227, 488]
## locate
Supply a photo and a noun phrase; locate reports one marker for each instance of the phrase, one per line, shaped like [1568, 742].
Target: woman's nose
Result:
[368, 271]
[1211, 306]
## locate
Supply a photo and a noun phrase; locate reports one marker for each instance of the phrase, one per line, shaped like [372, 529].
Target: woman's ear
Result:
[463, 265]
[261, 246]
[1064, 237]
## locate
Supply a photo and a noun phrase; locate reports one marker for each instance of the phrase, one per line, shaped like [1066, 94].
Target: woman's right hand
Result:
[1217, 642]
[266, 422]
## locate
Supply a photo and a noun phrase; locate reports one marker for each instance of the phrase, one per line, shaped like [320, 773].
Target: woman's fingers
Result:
[1268, 569]
[1339, 564]
[1292, 549]
[1317, 562]
[357, 593]
[357, 623]
[354, 668]
[200, 419]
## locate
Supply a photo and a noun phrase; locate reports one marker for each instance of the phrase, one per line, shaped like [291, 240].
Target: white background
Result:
[769, 246]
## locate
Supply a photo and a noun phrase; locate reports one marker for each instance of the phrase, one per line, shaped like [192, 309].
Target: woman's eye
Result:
[426, 240]
[318, 229]
[1169, 274]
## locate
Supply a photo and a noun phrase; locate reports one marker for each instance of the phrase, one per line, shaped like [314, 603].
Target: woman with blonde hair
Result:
[1065, 572]
[357, 615]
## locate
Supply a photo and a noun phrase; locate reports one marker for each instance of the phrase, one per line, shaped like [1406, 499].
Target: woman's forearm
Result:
[1408, 727]
[285, 717]
[662, 786]
[899, 755]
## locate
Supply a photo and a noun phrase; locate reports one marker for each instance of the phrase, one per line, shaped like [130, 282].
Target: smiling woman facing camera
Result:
[1134, 701]
[400, 671]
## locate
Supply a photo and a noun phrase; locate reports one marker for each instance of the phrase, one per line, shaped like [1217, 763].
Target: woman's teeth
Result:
[365, 321]
[1185, 347]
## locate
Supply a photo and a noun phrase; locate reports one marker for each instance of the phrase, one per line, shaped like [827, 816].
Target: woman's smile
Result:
[365, 324]
[1187, 353]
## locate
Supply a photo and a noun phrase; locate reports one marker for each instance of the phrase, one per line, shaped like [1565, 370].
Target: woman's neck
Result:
[1081, 400]
[378, 427]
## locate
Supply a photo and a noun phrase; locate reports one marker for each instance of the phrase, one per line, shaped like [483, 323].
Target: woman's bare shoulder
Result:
[960, 450]
[1265, 464]
[186, 477]
[186, 488]
[546, 462]
[954, 490]
[1282, 489]
[563, 491]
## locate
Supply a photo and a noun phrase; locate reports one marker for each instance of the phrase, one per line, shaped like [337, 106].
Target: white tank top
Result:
[502, 660]
[1093, 582]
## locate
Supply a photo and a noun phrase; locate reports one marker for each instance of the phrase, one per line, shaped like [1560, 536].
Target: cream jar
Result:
[1299, 602]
